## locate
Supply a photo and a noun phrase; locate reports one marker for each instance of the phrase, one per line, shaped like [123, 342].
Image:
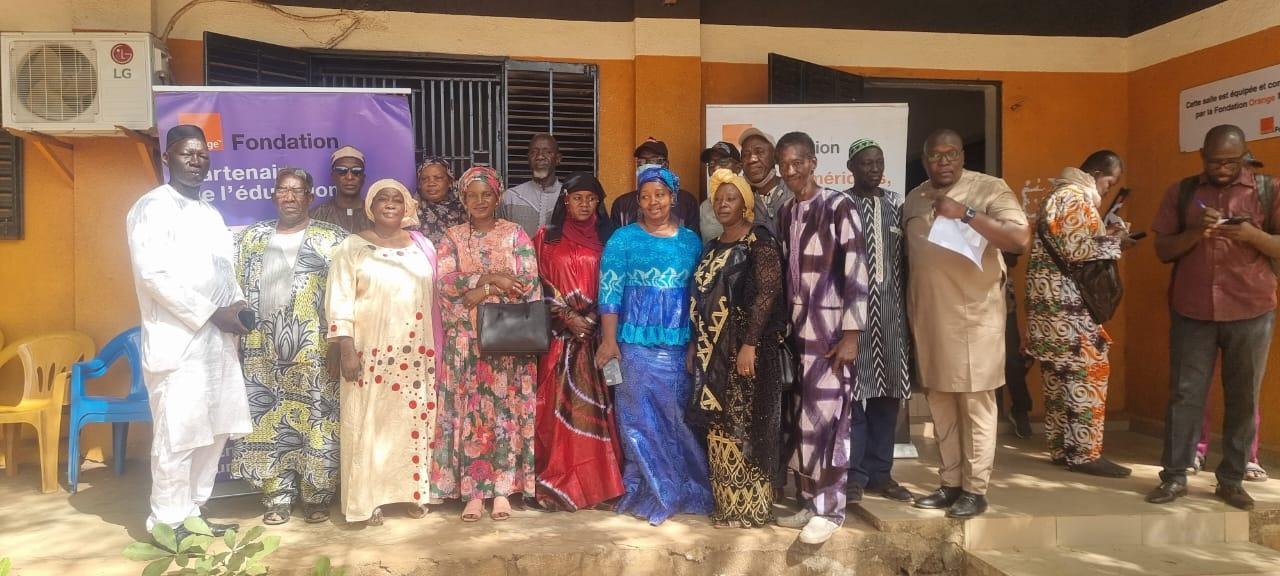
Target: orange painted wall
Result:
[1050, 120]
[1155, 165]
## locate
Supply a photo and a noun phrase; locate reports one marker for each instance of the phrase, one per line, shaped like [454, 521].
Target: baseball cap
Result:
[756, 132]
[722, 147]
[652, 145]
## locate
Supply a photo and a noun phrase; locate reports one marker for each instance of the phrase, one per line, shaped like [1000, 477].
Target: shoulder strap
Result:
[1048, 247]
[1186, 191]
[1266, 196]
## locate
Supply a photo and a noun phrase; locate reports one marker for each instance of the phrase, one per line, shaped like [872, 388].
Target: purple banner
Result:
[252, 133]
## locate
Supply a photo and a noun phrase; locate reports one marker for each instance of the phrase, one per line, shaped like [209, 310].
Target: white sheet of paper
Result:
[958, 237]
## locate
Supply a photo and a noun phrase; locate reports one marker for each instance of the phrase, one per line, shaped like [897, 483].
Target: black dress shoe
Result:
[853, 492]
[1101, 467]
[893, 491]
[1167, 492]
[941, 498]
[1021, 424]
[1235, 496]
[968, 506]
[1058, 461]
[220, 529]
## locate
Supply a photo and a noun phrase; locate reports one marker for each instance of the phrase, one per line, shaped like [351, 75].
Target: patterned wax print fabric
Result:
[293, 448]
[484, 443]
[644, 279]
[1071, 347]
[383, 298]
[884, 350]
[737, 301]
[435, 218]
[577, 455]
[827, 287]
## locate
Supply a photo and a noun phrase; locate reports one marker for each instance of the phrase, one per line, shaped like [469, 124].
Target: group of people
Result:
[775, 327]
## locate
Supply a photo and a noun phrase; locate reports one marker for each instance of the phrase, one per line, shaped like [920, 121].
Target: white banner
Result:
[832, 126]
[1248, 101]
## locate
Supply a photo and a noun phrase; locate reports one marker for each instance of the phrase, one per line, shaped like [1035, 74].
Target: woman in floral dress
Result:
[484, 441]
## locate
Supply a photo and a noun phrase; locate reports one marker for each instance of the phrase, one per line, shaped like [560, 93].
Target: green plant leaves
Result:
[144, 551]
[197, 526]
[157, 567]
[163, 533]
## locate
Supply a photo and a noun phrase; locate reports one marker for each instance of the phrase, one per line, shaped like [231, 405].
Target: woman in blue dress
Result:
[645, 275]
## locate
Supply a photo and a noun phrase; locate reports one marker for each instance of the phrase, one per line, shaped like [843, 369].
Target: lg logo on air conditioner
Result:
[122, 54]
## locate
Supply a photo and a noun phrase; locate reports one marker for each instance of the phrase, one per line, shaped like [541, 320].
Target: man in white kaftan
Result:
[182, 255]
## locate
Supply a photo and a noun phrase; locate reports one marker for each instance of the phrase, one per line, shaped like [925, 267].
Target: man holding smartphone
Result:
[183, 269]
[1222, 298]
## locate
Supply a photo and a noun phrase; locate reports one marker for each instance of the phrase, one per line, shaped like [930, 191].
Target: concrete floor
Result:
[64, 535]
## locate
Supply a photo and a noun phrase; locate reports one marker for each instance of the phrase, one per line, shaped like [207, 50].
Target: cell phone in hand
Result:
[613, 372]
[1234, 220]
[248, 318]
[1137, 235]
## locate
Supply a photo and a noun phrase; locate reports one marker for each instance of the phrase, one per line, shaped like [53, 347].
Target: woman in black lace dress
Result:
[738, 322]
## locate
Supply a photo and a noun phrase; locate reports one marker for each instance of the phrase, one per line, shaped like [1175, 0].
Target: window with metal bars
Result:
[10, 187]
[465, 109]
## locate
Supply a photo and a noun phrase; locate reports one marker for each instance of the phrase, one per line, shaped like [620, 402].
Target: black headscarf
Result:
[576, 182]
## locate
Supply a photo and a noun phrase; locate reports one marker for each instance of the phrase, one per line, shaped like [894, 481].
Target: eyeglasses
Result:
[949, 156]
[722, 162]
[1224, 162]
[343, 170]
[291, 192]
[654, 160]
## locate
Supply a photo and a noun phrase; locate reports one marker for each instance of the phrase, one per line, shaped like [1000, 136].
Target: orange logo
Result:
[1267, 125]
[731, 132]
[210, 122]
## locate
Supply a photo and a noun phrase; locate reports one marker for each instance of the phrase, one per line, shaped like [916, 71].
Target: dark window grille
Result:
[465, 110]
[10, 187]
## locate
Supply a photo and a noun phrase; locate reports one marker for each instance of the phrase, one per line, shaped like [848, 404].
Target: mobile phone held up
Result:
[248, 318]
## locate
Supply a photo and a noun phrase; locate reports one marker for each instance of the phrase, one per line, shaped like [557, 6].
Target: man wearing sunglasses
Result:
[346, 208]
[653, 152]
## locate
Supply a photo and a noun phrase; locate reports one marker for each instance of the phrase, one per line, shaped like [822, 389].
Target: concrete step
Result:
[1218, 559]
[1158, 527]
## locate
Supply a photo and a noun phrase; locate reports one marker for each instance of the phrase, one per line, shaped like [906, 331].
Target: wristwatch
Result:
[969, 214]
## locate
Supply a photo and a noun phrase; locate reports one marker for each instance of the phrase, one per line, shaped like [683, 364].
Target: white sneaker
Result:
[818, 530]
[797, 521]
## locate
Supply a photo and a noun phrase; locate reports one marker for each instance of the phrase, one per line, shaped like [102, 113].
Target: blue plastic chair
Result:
[118, 411]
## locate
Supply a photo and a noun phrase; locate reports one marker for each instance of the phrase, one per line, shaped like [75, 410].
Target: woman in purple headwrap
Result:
[644, 311]
[483, 446]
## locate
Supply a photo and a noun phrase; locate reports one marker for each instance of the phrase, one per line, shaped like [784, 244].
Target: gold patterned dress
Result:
[293, 449]
[383, 298]
[737, 300]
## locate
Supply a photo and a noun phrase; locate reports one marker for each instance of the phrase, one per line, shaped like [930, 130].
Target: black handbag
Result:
[514, 329]
[787, 369]
[1098, 281]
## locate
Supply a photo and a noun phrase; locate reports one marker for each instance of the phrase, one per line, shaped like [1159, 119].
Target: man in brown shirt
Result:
[346, 209]
[1223, 297]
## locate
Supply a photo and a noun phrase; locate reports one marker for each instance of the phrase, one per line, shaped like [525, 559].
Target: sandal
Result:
[1254, 473]
[500, 515]
[376, 518]
[417, 511]
[315, 513]
[276, 515]
[472, 515]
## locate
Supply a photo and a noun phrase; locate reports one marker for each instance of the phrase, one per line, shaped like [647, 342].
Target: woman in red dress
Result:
[577, 455]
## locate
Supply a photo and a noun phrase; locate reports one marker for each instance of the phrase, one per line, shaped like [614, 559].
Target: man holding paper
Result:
[957, 223]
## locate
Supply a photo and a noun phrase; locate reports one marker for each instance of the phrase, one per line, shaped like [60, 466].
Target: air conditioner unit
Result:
[80, 83]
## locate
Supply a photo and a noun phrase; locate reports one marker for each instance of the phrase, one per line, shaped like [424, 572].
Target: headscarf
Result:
[592, 233]
[483, 174]
[860, 145]
[727, 176]
[659, 174]
[410, 219]
[437, 217]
